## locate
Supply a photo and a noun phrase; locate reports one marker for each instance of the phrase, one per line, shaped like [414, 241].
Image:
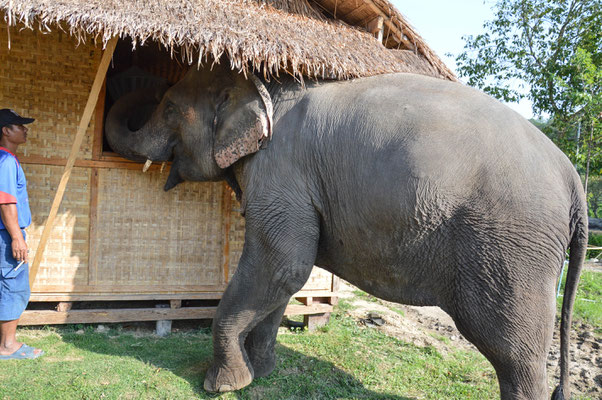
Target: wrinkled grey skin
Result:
[419, 191]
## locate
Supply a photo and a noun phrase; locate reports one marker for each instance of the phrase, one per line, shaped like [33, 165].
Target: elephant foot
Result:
[224, 379]
[262, 366]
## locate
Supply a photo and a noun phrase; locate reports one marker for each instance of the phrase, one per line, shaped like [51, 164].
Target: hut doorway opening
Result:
[149, 65]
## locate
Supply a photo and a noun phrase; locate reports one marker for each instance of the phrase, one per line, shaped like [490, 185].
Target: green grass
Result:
[441, 338]
[588, 305]
[365, 296]
[351, 362]
[340, 361]
[343, 360]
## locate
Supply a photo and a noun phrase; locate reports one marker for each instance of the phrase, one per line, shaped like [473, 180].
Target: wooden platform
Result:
[138, 309]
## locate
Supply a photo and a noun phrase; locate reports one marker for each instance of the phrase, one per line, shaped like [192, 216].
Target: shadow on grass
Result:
[297, 376]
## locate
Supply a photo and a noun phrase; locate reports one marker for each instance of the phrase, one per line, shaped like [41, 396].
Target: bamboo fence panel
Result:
[147, 236]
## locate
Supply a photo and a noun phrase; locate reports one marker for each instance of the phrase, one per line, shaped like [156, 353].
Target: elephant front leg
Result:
[271, 270]
[261, 341]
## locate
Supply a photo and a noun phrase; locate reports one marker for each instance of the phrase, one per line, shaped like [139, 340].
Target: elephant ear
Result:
[243, 121]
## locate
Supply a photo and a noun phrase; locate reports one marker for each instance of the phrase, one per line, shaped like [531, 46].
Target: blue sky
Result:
[442, 23]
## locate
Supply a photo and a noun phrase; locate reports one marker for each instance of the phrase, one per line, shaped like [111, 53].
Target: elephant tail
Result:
[578, 248]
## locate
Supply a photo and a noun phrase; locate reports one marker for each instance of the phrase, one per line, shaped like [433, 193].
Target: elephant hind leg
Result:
[515, 336]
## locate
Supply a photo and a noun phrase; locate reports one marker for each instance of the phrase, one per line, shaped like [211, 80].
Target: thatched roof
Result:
[300, 36]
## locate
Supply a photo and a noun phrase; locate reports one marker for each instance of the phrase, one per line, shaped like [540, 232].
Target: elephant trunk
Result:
[127, 123]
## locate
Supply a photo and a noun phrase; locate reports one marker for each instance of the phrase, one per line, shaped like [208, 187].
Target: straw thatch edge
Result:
[374, 60]
[422, 48]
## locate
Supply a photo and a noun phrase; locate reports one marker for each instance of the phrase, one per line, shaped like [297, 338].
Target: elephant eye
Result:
[169, 111]
[222, 101]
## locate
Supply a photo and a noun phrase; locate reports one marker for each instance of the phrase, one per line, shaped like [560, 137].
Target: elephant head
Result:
[205, 123]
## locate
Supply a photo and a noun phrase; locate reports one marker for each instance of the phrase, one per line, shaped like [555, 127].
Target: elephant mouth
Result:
[174, 177]
[163, 160]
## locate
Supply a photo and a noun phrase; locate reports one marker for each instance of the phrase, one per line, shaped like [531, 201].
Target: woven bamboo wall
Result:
[49, 78]
[117, 232]
[65, 260]
[148, 237]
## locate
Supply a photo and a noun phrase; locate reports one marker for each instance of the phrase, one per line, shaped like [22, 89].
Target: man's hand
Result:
[19, 248]
[8, 213]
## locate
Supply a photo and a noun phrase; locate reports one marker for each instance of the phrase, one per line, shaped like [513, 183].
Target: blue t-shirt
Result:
[13, 187]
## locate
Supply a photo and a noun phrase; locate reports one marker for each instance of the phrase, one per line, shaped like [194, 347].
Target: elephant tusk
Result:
[162, 167]
[147, 165]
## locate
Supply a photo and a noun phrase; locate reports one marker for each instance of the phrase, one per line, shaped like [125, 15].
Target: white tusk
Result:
[147, 165]
[162, 167]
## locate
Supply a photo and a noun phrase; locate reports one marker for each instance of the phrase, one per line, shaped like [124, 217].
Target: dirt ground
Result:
[430, 326]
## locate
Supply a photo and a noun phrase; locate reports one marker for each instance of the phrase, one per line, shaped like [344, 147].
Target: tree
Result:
[585, 93]
[549, 51]
[595, 200]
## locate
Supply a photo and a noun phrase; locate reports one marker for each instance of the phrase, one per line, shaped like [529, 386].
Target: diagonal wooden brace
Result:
[79, 137]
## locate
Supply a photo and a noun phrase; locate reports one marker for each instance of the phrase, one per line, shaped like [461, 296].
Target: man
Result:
[14, 217]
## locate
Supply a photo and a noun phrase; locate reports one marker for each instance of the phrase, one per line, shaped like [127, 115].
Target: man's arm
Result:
[8, 213]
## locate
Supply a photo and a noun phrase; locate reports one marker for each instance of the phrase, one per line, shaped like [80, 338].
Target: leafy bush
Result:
[596, 241]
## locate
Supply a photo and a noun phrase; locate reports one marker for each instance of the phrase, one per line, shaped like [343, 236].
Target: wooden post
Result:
[314, 321]
[376, 27]
[64, 306]
[227, 217]
[336, 285]
[79, 137]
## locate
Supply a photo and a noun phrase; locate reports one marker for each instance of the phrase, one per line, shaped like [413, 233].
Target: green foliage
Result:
[532, 41]
[596, 241]
[594, 198]
[549, 51]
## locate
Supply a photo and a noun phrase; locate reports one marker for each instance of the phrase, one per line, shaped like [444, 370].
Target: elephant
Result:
[417, 190]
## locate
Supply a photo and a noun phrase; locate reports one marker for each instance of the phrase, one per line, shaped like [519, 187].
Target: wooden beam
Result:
[353, 11]
[391, 28]
[376, 27]
[52, 297]
[297, 309]
[336, 285]
[305, 300]
[99, 115]
[49, 317]
[190, 295]
[79, 137]
[109, 162]
[227, 218]
[92, 228]
[138, 288]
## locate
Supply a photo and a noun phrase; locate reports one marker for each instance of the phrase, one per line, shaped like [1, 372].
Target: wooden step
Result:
[71, 316]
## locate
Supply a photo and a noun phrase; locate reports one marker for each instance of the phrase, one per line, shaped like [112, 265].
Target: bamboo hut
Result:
[95, 233]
